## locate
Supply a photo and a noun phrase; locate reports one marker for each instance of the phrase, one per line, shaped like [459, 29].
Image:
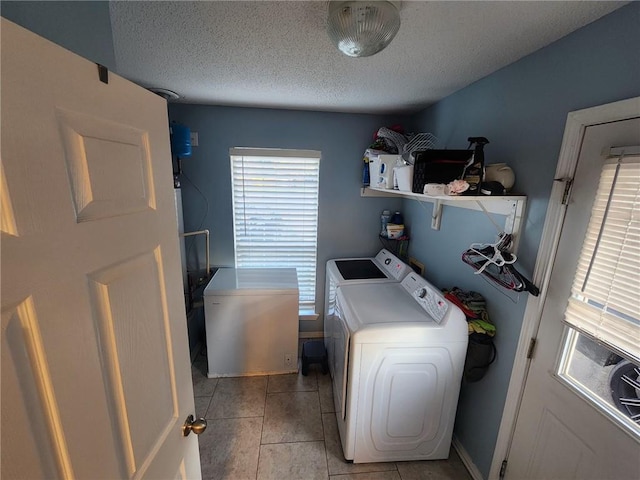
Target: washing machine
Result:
[251, 320]
[399, 355]
[385, 267]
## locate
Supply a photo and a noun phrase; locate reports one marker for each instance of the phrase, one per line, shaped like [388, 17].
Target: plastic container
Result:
[384, 221]
[435, 189]
[387, 164]
[395, 231]
[404, 177]
[180, 140]
[366, 179]
[397, 219]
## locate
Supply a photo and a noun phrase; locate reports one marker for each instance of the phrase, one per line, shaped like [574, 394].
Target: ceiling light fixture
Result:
[168, 95]
[362, 28]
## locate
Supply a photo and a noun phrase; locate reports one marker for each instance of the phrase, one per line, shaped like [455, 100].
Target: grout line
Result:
[294, 441]
[264, 415]
[264, 410]
[208, 405]
[324, 440]
[234, 418]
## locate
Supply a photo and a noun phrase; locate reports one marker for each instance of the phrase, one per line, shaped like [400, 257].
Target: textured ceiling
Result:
[277, 54]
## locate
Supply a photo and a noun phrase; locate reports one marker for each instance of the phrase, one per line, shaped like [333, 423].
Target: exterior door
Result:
[568, 426]
[95, 366]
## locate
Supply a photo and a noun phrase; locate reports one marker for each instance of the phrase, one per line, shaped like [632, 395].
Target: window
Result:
[601, 358]
[275, 213]
[604, 300]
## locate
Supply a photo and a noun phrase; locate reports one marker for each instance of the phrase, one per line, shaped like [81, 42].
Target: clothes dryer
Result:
[399, 355]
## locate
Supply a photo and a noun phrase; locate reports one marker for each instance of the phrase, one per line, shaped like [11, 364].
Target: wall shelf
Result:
[512, 206]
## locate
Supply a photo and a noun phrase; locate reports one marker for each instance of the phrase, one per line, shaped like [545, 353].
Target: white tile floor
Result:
[283, 427]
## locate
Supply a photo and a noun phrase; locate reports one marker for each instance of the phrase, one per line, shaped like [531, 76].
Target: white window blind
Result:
[275, 213]
[605, 301]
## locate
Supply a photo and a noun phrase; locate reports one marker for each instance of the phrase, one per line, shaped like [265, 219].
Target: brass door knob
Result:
[196, 426]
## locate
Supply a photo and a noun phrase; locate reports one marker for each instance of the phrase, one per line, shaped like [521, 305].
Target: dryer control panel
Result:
[427, 296]
[391, 264]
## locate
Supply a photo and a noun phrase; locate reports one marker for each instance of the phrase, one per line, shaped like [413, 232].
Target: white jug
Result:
[403, 176]
[385, 174]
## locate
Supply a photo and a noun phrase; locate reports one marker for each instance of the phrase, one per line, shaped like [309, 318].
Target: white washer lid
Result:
[253, 281]
[393, 269]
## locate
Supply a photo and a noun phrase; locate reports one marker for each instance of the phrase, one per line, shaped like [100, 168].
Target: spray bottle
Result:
[474, 171]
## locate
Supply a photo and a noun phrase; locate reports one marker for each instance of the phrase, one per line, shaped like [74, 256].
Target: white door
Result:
[563, 430]
[95, 366]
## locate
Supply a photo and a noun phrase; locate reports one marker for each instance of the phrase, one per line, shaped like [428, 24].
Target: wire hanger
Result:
[494, 261]
[494, 253]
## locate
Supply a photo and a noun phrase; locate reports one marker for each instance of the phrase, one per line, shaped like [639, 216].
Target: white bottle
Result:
[384, 220]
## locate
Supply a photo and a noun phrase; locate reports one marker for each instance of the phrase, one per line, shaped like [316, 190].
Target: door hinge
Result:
[568, 183]
[103, 73]
[503, 469]
[532, 347]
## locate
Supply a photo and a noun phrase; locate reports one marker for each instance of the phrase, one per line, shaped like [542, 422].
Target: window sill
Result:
[308, 315]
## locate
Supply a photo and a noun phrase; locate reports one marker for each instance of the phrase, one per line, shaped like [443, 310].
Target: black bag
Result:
[481, 353]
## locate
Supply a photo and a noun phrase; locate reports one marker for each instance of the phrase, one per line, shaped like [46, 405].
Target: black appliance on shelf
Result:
[438, 166]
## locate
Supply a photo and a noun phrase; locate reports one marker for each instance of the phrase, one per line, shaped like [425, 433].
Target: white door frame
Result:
[577, 122]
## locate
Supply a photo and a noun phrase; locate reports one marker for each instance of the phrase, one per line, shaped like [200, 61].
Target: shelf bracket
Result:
[513, 222]
[436, 216]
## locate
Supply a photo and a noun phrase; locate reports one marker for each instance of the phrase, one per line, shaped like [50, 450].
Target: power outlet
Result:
[194, 139]
[289, 360]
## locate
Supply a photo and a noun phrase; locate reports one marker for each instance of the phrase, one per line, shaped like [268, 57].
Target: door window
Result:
[604, 378]
[601, 355]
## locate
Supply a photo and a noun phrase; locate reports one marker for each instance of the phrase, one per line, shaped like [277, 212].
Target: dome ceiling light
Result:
[164, 93]
[362, 28]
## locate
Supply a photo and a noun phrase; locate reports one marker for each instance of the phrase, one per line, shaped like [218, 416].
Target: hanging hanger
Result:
[494, 253]
[496, 262]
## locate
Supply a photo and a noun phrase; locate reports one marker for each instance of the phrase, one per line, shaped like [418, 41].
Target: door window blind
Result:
[275, 213]
[604, 300]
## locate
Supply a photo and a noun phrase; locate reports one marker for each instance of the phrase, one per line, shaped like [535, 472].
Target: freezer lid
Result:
[253, 281]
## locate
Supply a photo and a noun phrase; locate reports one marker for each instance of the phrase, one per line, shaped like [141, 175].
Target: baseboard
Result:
[466, 460]
[311, 335]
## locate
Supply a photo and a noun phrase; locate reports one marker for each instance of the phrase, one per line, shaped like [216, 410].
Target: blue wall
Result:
[522, 110]
[348, 224]
[82, 27]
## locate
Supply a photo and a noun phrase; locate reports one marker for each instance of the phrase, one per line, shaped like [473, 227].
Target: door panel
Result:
[109, 166]
[94, 342]
[116, 292]
[406, 402]
[559, 433]
[28, 452]
[8, 225]
[558, 451]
